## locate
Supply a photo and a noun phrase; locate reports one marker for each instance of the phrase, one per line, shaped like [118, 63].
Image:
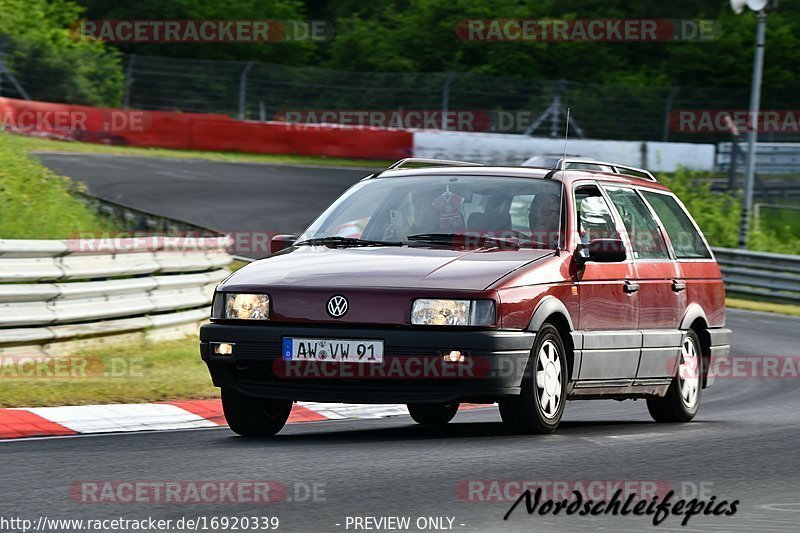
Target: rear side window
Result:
[646, 237]
[686, 240]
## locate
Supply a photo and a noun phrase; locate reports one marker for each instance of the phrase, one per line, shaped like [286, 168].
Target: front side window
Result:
[595, 220]
[686, 240]
[645, 235]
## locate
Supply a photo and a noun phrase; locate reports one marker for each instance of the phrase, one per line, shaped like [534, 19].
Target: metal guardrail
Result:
[771, 158]
[762, 274]
[56, 292]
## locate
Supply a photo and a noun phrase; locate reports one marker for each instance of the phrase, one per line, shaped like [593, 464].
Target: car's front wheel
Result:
[432, 414]
[540, 405]
[683, 397]
[254, 417]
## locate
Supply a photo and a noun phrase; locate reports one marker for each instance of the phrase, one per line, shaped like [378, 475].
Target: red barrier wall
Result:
[197, 131]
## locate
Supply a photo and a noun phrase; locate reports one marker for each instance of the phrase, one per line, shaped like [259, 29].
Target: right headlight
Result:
[240, 306]
[436, 312]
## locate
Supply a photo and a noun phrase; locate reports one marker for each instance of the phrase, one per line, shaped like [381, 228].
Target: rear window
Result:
[686, 240]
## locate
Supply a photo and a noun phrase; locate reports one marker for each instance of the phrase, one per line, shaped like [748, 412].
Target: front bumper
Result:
[412, 370]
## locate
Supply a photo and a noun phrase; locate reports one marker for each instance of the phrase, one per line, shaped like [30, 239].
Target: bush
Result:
[719, 215]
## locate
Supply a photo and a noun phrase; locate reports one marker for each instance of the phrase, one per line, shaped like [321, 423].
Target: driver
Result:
[426, 214]
[543, 217]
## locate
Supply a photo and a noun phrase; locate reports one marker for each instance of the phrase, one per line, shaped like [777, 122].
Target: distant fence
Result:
[774, 276]
[55, 295]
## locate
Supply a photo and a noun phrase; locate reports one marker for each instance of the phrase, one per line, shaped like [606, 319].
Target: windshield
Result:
[431, 209]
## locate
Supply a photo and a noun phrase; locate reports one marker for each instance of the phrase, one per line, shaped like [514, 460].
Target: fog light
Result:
[223, 348]
[454, 357]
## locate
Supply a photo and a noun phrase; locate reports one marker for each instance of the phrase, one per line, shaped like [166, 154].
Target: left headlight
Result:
[453, 313]
[240, 306]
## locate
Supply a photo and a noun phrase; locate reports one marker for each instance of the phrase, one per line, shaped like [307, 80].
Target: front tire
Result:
[432, 414]
[540, 405]
[254, 417]
[682, 400]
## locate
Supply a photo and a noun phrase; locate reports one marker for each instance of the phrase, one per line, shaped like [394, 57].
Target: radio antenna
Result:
[566, 138]
[561, 199]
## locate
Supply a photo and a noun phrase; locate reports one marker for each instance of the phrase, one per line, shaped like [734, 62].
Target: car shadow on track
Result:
[309, 434]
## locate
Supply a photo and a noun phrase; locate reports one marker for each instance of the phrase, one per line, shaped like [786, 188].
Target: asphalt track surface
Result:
[742, 446]
[229, 197]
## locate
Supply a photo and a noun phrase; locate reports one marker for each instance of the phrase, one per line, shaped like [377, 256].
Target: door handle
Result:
[630, 287]
[678, 286]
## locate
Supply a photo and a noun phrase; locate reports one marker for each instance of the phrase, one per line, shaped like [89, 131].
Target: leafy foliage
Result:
[51, 61]
[719, 216]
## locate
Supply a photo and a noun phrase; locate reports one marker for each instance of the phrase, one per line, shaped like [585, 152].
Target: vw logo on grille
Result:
[338, 306]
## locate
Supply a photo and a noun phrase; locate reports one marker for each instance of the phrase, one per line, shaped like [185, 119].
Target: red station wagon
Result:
[433, 283]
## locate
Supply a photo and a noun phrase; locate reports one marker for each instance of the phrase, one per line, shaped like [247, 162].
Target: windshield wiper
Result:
[344, 241]
[461, 239]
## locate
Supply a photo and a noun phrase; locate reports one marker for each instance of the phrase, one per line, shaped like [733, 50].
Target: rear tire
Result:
[682, 400]
[432, 414]
[539, 407]
[254, 417]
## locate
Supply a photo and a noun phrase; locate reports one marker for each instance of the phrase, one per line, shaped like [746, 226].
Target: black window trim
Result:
[618, 222]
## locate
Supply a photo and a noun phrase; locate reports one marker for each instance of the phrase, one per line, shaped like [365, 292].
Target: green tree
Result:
[50, 59]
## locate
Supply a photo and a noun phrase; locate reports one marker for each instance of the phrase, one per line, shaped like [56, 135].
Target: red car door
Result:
[661, 298]
[609, 338]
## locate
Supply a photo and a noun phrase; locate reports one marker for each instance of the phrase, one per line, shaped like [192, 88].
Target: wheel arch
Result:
[552, 311]
[696, 320]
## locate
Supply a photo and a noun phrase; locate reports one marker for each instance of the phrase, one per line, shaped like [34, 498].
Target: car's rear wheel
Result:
[682, 400]
[432, 414]
[540, 405]
[254, 417]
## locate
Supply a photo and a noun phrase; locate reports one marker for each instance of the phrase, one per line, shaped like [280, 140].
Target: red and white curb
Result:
[181, 414]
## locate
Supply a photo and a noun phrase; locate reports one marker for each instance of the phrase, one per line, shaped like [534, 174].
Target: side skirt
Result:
[619, 389]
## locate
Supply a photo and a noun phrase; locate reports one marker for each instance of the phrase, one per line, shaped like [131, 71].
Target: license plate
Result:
[351, 351]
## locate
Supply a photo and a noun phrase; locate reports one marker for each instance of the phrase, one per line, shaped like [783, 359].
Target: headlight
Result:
[453, 313]
[240, 306]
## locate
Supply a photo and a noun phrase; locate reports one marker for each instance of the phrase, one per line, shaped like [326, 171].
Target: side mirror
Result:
[281, 242]
[602, 251]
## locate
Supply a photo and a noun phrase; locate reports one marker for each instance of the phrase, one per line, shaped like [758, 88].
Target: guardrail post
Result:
[446, 98]
[242, 85]
[128, 81]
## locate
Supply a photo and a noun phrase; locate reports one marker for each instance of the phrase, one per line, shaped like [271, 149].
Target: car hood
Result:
[412, 267]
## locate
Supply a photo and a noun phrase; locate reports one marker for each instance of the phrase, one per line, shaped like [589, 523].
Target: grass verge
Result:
[37, 203]
[134, 373]
[764, 307]
[33, 144]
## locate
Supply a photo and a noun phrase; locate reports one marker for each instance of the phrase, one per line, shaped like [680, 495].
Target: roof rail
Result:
[615, 167]
[431, 163]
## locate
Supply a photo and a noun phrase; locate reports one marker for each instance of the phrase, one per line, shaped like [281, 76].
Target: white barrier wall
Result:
[506, 149]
